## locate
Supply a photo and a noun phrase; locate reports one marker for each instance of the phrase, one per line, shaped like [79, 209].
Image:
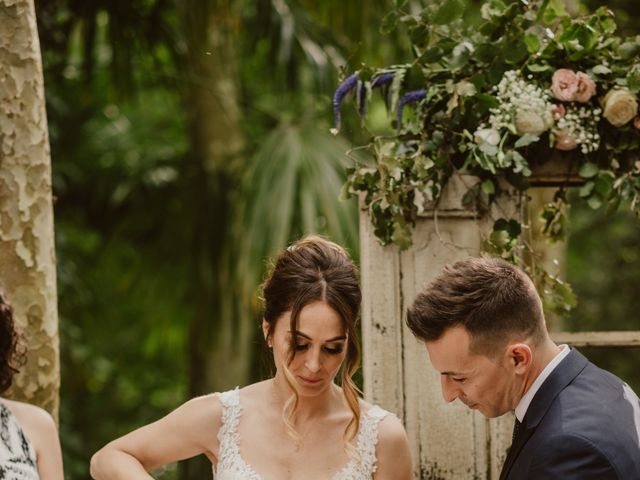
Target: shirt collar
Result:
[525, 401]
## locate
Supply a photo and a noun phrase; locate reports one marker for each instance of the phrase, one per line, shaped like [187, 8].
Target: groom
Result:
[484, 330]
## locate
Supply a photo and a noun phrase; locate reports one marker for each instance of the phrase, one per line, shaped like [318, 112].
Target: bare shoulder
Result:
[204, 412]
[390, 428]
[254, 395]
[35, 421]
[392, 449]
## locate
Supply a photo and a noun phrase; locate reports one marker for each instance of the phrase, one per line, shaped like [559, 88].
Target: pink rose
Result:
[558, 111]
[564, 85]
[636, 122]
[586, 88]
[565, 139]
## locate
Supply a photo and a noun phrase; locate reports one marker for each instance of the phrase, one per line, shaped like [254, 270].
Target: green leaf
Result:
[448, 12]
[499, 238]
[488, 187]
[633, 79]
[586, 189]
[389, 22]
[601, 70]
[485, 52]
[554, 9]
[487, 101]
[537, 68]
[532, 42]
[629, 50]
[494, 8]
[394, 89]
[526, 139]
[588, 170]
[594, 202]
[515, 51]
[604, 184]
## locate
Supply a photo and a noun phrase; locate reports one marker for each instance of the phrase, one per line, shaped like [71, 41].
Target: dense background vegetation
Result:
[167, 204]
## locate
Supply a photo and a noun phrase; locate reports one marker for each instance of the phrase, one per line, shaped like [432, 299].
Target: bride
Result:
[298, 424]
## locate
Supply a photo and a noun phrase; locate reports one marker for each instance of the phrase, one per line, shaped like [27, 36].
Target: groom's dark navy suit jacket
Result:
[583, 423]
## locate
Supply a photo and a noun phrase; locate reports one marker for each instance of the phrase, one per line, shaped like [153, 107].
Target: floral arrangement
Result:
[496, 99]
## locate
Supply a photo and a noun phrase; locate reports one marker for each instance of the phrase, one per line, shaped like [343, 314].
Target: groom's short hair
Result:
[492, 299]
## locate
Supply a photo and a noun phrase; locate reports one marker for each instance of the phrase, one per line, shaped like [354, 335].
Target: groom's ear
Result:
[519, 355]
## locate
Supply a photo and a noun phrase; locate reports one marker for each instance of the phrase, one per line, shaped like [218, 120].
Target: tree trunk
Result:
[220, 340]
[27, 256]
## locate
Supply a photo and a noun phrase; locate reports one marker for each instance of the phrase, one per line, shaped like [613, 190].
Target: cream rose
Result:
[564, 85]
[489, 136]
[528, 121]
[565, 139]
[586, 88]
[620, 106]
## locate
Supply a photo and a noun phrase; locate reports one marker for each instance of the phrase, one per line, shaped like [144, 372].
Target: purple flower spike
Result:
[384, 79]
[362, 99]
[379, 81]
[341, 92]
[407, 98]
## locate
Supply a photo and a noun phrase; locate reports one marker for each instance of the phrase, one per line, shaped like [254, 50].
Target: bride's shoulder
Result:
[390, 428]
[392, 445]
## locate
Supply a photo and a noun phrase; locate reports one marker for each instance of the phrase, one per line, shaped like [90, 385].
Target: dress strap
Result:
[368, 438]
[228, 433]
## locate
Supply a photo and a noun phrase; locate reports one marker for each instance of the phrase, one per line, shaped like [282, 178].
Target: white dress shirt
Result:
[525, 401]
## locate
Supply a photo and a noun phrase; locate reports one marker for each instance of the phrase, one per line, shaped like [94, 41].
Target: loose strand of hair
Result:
[291, 406]
[350, 391]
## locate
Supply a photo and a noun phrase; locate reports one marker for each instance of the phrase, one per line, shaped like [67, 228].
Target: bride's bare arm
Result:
[188, 431]
[392, 451]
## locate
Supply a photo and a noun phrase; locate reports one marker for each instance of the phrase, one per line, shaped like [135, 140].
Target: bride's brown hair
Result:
[310, 270]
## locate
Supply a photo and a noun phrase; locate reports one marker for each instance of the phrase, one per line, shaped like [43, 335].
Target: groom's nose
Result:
[450, 391]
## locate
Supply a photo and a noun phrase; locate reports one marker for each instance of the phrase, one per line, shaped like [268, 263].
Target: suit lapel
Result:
[560, 377]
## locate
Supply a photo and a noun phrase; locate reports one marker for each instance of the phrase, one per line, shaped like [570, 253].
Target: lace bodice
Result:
[17, 456]
[231, 465]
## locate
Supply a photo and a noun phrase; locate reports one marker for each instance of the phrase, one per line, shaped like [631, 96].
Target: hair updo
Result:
[310, 270]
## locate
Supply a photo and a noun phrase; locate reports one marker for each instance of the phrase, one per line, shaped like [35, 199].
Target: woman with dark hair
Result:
[29, 444]
[298, 424]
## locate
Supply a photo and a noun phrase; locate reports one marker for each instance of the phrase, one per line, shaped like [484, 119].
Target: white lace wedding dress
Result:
[231, 465]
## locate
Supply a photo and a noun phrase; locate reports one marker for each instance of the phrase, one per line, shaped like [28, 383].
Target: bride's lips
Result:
[310, 381]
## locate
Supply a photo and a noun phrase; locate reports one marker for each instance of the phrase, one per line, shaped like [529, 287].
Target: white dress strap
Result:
[231, 466]
[364, 467]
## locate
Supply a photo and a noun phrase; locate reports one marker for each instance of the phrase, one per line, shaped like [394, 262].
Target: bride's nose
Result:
[312, 361]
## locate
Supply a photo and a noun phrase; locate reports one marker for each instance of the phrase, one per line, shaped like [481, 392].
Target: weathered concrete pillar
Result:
[448, 441]
[27, 257]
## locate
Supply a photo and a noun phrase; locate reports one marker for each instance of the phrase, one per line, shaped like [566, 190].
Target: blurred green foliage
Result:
[124, 178]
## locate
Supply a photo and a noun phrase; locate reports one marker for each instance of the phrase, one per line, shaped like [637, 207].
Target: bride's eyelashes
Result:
[301, 347]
